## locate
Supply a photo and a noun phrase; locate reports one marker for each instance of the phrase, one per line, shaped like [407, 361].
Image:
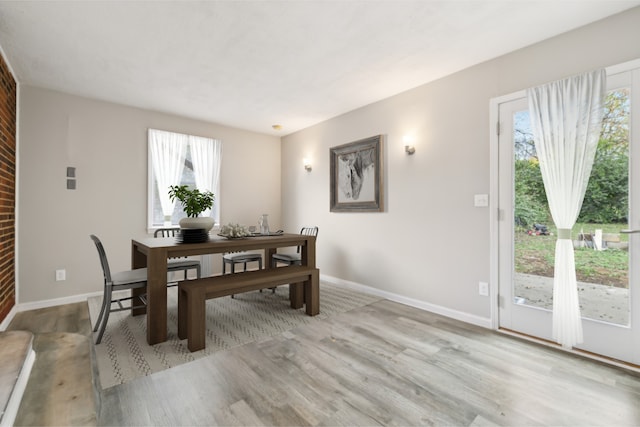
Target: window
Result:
[178, 159]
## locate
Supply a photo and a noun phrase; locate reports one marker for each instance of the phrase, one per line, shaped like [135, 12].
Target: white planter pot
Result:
[201, 222]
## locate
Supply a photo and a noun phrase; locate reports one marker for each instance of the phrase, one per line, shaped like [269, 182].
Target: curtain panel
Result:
[167, 152]
[566, 119]
[206, 155]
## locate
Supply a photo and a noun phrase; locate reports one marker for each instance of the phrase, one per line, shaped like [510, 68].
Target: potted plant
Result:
[194, 202]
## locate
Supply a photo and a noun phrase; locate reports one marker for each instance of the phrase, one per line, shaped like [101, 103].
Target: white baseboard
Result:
[9, 317]
[444, 311]
[56, 301]
[432, 308]
[43, 304]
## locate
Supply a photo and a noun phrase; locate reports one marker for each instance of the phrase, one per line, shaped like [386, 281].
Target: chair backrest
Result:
[103, 259]
[308, 231]
[166, 232]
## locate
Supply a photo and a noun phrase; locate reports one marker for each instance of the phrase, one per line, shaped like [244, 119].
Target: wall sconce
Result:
[307, 164]
[408, 145]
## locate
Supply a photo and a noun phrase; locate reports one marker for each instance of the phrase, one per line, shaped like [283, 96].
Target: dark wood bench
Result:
[303, 288]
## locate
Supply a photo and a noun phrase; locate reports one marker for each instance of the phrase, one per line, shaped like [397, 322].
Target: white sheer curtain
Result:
[206, 155]
[566, 119]
[167, 151]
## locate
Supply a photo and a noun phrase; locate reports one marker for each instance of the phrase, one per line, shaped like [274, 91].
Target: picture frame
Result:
[357, 176]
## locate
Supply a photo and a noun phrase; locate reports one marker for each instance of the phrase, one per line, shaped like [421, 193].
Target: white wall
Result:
[107, 143]
[431, 244]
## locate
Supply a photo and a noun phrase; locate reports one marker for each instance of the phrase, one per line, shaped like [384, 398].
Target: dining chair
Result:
[122, 280]
[296, 258]
[234, 258]
[178, 264]
[242, 257]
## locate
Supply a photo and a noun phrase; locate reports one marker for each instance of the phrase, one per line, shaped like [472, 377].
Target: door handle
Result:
[634, 231]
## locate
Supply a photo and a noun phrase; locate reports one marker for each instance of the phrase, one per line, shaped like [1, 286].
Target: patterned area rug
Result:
[124, 354]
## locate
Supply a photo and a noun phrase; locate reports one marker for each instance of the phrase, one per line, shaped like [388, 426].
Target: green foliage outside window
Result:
[606, 198]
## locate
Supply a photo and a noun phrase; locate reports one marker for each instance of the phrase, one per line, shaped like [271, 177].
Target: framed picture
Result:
[356, 176]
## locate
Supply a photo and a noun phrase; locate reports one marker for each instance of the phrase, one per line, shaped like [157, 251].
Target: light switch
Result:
[481, 200]
[483, 289]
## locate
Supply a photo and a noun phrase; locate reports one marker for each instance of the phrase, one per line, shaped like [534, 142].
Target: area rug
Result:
[124, 355]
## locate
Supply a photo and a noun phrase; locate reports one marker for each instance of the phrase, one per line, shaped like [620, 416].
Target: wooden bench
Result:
[303, 287]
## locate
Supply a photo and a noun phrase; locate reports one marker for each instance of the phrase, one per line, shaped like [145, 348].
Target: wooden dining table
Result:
[153, 254]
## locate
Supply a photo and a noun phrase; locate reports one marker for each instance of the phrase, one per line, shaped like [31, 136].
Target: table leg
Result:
[138, 260]
[308, 253]
[268, 254]
[157, 296]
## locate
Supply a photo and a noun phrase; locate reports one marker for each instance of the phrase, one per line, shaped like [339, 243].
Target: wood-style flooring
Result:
[383, 364]
[61, 390]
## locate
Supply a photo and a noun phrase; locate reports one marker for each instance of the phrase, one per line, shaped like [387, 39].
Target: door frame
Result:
[495, 214]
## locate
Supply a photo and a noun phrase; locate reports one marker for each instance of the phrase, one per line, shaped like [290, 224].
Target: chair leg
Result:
[106, 317]
[102, 309]
[103, 327]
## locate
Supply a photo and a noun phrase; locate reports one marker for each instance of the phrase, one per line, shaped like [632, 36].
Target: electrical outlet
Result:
[483, 289]
[61, 275]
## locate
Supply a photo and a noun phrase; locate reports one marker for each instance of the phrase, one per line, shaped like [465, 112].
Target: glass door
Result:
[607, 280]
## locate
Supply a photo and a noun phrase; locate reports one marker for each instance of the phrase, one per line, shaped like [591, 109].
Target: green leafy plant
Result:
[193, 201]
[606, 198]
[530, 198]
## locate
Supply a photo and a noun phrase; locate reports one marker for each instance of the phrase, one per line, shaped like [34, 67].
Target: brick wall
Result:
[7, 189]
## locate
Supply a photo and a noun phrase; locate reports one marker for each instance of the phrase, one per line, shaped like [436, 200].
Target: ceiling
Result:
[253, 64]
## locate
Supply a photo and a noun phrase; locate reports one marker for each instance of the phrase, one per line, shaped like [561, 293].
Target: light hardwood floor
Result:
[383, 364]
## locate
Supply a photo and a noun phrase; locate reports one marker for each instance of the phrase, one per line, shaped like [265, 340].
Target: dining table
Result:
[152, 253]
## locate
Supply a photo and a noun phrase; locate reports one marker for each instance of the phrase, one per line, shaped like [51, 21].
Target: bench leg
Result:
[296, 294]
[312, 293]
[195, 306]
